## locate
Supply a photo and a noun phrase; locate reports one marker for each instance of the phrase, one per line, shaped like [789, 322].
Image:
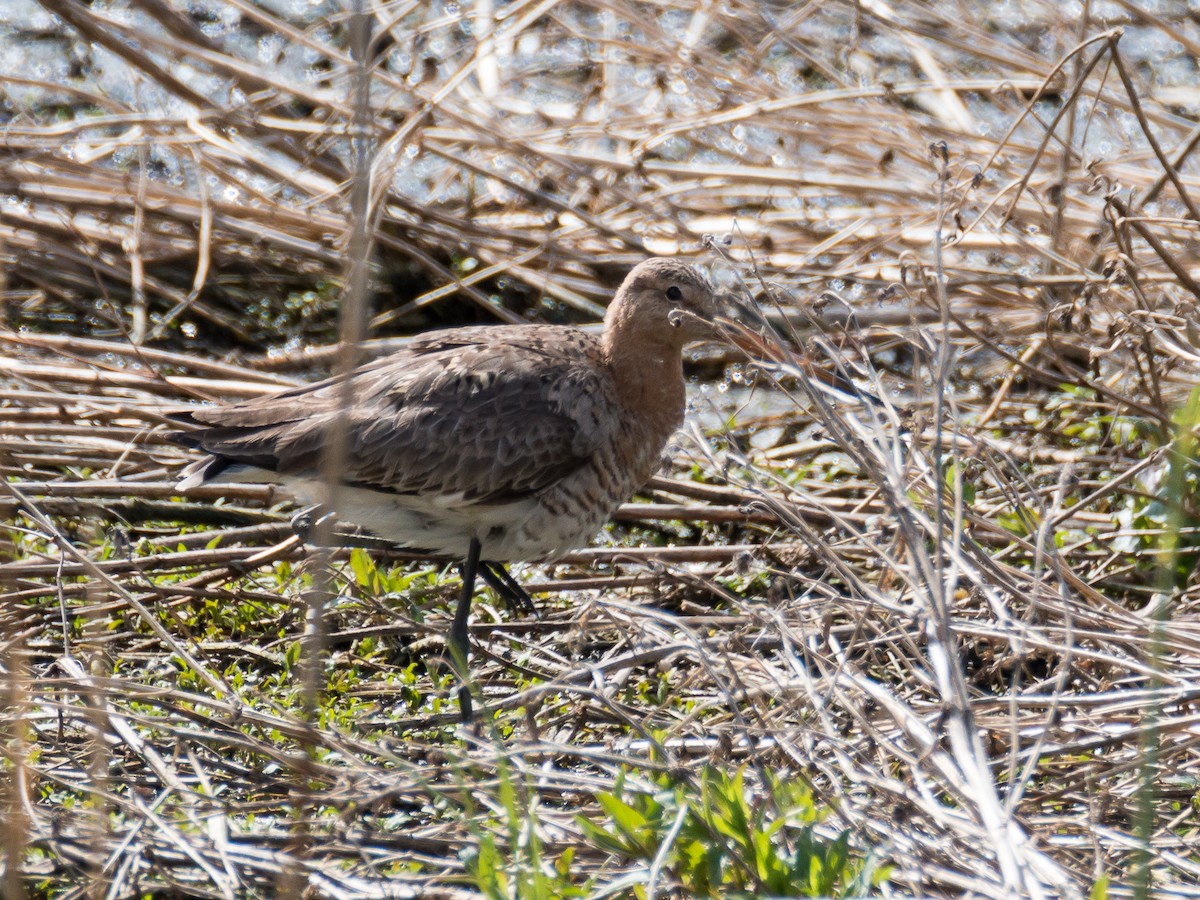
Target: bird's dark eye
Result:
[674, 293]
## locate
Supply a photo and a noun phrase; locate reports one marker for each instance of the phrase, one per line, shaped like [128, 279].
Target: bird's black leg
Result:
[507, 587]
[459, 641]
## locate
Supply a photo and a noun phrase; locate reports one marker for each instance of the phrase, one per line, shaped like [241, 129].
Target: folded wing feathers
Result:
[487, 413]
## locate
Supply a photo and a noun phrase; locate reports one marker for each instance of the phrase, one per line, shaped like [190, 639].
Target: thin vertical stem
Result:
[1177, 489]
[14, 828]
[352, 329]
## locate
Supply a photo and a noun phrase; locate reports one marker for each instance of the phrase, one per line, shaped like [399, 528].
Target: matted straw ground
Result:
[958, 625]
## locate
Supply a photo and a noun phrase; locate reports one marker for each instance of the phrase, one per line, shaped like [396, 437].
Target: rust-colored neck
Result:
[647, 366]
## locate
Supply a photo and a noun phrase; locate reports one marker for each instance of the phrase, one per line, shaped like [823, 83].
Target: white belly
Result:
[443, 525]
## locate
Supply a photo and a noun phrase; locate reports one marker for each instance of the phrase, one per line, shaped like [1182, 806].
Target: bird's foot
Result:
[515, 597]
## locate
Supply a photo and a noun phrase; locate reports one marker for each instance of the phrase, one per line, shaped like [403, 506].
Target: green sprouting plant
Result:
[1170, 522]
[520, 869]
[727, 842]
[1078, 417]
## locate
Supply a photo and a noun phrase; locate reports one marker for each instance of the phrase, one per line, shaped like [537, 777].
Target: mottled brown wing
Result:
[482, 413]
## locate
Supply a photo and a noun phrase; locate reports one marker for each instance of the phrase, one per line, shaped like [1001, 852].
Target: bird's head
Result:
[666, 299]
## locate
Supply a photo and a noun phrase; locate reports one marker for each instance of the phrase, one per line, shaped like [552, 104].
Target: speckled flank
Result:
[525, 437]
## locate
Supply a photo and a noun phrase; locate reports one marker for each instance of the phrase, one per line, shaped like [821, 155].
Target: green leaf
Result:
[365, 574]
[606, 840]
[628, 819]
[562, 865]
[488, 871]
[291, 658]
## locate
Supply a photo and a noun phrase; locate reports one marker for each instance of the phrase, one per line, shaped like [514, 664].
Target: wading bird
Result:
[487, 444]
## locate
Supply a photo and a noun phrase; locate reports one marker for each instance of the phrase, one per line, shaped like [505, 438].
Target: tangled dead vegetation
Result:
[920, 578]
